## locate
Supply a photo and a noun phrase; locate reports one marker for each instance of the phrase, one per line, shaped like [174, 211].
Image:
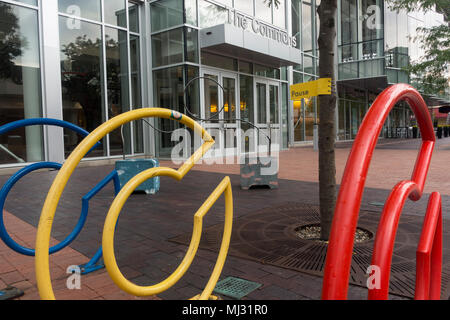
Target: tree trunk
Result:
[327, 107]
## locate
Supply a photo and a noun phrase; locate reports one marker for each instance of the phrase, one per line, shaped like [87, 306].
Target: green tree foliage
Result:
[433, 69]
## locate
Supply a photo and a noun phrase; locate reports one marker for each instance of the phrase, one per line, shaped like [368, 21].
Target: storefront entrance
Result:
[221, 91]
[219, 109]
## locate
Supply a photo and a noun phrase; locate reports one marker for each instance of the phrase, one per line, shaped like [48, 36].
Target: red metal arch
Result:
[339, 254]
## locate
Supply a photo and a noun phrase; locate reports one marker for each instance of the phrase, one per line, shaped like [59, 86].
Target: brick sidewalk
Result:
[144, 252]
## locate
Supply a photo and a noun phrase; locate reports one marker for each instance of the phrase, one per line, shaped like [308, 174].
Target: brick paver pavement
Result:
[144, 252]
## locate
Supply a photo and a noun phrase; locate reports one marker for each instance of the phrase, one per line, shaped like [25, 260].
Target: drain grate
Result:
[235, 287]
[268, 236]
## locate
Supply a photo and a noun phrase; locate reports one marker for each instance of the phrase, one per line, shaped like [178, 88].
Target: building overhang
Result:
[231, 40]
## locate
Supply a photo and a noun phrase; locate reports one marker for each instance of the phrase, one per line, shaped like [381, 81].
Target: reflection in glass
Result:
[82, 80]
[246, 101]
[211, 96]
[168, 93]
[211, 14]
[279, 14]
[191, 11]
[306, 27]
[118, 86]
[274, 104]
[31, 2]
[133, 17]
[229, 99]
[298, 116]
[115, 12]
[284, 115]
[263, 11]
[20, 83]
[88, 9]
[167, 47]
[296, 20]
[246, 6]
[191, 36]
[261, 103]
[227, 2]
[136, 102]
[166, 14]
[218, 61]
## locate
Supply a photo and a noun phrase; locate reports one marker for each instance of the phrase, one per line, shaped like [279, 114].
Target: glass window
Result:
[82, 80]
[308, 64]
[167, 47]
[263, 11]
[274, 102]
[191, 36]
[31, 2]
[298, 77]
[279, 14]
[226, 2]
[306, 27]
[218, 61]
[20, 84]
[246, 101]
[261, 102]
[133, 16]
[168, 93]
[211, 14]
[211, 96]
[191, 11]
[349, 22]
[115, 13]
[264, 71]
[118, 86]
[245, 67]
[166, 14]
[246, 6]
[88, 9]
[135, 63]
[296, 20]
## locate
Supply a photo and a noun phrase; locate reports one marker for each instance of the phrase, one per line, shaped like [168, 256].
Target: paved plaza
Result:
[144, 246]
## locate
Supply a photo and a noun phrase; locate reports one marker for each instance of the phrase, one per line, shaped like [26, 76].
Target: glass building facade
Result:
[86, 61]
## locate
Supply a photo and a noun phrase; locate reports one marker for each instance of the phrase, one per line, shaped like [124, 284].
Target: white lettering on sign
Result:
[258, 27]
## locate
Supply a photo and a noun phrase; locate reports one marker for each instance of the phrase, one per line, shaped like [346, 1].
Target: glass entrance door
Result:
[267, 106]
[219, 102]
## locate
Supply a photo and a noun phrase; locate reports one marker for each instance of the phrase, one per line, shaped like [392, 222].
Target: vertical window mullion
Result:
[129, 77]
[105, 74]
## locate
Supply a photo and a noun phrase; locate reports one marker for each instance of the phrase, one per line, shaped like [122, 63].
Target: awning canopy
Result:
[231, 40]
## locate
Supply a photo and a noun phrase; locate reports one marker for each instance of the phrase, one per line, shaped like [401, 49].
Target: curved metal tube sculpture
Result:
[4, 235]
[51, 202]
[339, 254]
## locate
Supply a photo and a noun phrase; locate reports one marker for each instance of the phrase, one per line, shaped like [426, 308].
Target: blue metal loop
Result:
[33, 167]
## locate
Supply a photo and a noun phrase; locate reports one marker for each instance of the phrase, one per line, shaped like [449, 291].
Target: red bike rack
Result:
[340, 248]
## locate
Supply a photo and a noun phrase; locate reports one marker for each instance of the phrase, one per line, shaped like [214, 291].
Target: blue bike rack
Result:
[92, 265]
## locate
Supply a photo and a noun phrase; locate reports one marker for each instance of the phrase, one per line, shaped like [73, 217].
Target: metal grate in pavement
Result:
[235, 287]
[268, 236]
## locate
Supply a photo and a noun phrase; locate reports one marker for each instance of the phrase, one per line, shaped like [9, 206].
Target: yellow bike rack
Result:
[48, 211]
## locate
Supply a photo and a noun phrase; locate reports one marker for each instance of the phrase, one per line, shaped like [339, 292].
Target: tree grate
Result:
[276, 243]
[235, 287]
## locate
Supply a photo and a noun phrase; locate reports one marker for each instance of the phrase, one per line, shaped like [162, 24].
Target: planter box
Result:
[127, 169]
[259, 172]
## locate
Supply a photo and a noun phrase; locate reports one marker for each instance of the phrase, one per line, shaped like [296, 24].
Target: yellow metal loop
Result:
[113, 215]
[48, 211]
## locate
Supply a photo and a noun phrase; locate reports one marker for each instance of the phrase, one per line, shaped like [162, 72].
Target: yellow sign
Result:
[310, 89]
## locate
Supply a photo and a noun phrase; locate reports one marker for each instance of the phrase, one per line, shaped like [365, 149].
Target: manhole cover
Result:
[235, 287]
